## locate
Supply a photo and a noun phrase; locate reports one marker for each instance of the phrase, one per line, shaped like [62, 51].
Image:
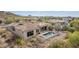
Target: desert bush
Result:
[58, 44]
[20, 41]
[8, 21]
[71, 29]
[75, 24]
[74, 39]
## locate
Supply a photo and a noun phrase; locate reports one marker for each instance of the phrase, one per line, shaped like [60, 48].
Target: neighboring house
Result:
[28, 29]
[56, 21]
[58, 24]
[68, 19]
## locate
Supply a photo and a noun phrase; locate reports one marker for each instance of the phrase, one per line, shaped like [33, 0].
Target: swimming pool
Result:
[47, 35]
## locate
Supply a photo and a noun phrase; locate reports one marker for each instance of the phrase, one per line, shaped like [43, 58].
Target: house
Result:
[28, 29]
[58, 24]
[68, 19]
[56, 21]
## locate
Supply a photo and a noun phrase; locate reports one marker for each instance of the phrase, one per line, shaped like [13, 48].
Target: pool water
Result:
[47, 35]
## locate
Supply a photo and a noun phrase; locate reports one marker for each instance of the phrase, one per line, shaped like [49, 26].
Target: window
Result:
[45, 27]
[37, 31]
[30, 33]
[0, 21]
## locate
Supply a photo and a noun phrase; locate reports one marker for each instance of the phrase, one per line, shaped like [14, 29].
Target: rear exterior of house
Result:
[28, 30]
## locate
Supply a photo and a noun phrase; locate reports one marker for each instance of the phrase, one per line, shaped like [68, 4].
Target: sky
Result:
[47, 13]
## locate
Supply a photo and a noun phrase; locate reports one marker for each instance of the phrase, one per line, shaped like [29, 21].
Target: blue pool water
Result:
[47, 35]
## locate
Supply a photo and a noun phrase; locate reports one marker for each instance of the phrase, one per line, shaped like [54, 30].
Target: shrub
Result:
[58, 44]
[20, 41]
[71, 29]
[75, 24]
[74, 39]
[8, 21]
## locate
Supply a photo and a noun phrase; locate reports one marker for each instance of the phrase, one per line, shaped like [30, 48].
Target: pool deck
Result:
[61, 36]
[46, 38]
